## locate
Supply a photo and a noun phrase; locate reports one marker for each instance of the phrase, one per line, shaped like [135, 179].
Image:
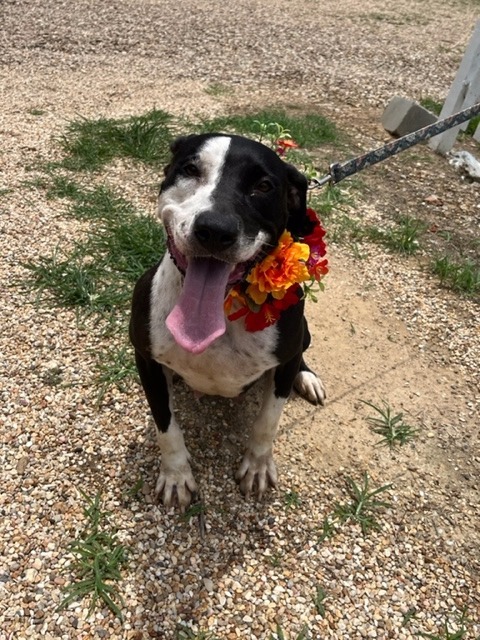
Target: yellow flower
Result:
[279, 270]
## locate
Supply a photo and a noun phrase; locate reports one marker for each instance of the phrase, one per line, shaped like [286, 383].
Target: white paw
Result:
[256, 473]
[176, 486]
[309, 386]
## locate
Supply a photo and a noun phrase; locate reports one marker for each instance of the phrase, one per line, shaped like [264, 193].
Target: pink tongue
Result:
[198, 318]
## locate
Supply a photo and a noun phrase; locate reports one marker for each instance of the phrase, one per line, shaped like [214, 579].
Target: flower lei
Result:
[284, 277]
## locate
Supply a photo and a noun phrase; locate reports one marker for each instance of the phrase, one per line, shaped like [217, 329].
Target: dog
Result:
[224, 203]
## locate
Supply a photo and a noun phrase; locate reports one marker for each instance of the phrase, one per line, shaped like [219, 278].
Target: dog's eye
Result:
[264, 186]
[191, 170]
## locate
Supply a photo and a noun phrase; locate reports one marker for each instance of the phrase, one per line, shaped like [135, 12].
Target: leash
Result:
[339, 172]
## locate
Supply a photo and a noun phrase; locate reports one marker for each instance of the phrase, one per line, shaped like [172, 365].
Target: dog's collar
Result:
[289, 273]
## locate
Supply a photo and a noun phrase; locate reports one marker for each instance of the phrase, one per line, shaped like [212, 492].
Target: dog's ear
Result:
[176, 144]
[298, 222]
[174, 147]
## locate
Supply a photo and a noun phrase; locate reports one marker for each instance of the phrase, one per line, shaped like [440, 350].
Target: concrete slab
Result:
[403, 116]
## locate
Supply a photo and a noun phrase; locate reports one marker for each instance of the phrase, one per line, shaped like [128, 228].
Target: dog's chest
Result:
[227, 366]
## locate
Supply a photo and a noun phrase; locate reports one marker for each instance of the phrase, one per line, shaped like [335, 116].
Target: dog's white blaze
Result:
[179, 205]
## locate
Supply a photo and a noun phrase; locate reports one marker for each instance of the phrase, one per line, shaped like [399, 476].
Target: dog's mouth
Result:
[198, 317]
[237, 270]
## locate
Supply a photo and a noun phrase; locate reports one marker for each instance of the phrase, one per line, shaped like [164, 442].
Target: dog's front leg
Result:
[257, 471]
[175, 482]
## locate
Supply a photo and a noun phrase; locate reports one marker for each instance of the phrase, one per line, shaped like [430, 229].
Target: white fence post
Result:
[464, 92]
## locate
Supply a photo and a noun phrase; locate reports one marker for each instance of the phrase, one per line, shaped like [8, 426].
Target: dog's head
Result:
[229, 198]
[225, 202]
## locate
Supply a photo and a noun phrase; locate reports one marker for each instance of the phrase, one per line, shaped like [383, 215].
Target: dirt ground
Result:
[384, 330]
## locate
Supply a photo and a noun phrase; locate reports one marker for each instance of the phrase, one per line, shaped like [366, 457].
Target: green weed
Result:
[446, 633]
[53, 377]
[186, 633]
[460, 276]
[67, 279]
[402, 238]
[405, 237]
[115, 367]
[134, 492]
[36, 112]
[328, 529]
[64, 187]
[303, 634]
[363, 505]
[390, 426]
[291, 499]
[217, 89]
[319, 600]
[275, 559]
[410, 615]
[195, 510]
[98, 558]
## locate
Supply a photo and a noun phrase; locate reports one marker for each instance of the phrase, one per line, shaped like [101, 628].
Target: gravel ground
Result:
[383, 330]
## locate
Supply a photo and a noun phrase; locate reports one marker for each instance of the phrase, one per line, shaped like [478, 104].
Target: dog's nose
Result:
[215, 233]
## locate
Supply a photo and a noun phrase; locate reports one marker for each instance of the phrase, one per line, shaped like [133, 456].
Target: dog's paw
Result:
[176, 486]
[256, 474]
[309, 386]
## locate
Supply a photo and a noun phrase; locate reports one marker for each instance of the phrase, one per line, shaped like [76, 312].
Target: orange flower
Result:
[279, 270]
[284, 144]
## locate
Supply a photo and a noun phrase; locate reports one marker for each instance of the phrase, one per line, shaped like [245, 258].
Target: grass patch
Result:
[472, 126]
[403, 238]
[63, 187]
[460, 276]
[310, 130]
[96, 276]
[390, 426]
[98, 558]
[434, 106]
[91, 144]
[69, 280]
[98, 273]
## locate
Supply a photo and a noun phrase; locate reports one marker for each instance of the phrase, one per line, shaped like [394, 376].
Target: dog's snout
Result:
[215, 233]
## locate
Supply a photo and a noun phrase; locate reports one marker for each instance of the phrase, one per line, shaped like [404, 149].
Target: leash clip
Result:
[316, 183]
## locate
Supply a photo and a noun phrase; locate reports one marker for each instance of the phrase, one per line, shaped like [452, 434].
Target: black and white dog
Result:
[224, 203]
